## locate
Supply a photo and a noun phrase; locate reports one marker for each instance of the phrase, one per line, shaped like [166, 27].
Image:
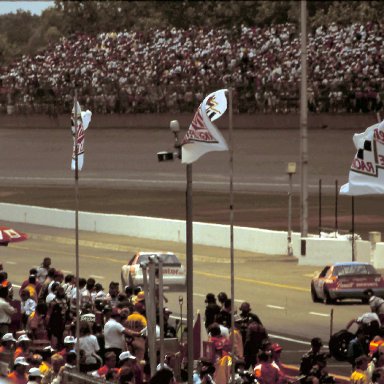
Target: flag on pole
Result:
[203, 136]
[366, 175]
[80, 124]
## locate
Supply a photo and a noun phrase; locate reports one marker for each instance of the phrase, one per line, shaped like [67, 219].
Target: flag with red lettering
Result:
[79, 123]
[366, 175]
[203, 136]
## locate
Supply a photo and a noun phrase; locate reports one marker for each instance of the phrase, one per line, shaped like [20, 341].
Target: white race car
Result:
[174, 276]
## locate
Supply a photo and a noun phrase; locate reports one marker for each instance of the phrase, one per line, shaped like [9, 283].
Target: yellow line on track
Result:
[256, 282]
[198, 272]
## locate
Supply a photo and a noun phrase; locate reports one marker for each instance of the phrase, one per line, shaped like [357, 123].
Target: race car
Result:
[174, 275]
[346, 281]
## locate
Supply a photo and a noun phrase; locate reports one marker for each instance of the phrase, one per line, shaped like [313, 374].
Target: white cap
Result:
[20, 360]
[35, 372]
[126, 355]
[23, 338]
[8, 337]
[69, 340]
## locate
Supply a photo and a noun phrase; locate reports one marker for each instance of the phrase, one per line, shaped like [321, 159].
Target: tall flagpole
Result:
[189, 256]
[77, 235]
[303, 124]
[231, 219]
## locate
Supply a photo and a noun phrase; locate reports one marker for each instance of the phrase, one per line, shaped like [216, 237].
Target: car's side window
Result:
[324, 271]
[131, 261]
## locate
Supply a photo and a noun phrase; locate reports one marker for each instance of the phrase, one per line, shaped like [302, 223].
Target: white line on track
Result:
[10, 262]
[97, 277]
[319, 314]
[275, 306]
[289, 339]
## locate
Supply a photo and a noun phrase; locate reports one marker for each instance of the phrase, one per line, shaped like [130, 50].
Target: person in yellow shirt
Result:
[136, 322]
[359, 375]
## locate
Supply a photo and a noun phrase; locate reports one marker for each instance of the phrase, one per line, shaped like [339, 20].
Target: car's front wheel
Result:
[314, 296]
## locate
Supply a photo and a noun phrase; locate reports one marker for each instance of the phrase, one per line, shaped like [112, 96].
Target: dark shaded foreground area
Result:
[260, 210]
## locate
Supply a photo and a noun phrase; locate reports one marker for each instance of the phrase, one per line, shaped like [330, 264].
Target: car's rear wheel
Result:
[338, 344]
[327, 297]
[314, 296]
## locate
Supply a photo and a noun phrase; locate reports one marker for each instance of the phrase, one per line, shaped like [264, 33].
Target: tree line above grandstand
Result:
[91, 17]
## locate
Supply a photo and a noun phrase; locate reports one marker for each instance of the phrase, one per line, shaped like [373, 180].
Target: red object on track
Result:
[9, 235]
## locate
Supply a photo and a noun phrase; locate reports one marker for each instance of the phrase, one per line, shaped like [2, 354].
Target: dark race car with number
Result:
[346, 281]
[174, 276]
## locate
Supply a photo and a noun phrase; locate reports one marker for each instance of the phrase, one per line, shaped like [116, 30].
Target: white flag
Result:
[82, 121]
[203, 136]
[366, 176]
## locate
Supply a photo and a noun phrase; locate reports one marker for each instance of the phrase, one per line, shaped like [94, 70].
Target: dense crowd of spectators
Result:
[38, 341]
[172, 69]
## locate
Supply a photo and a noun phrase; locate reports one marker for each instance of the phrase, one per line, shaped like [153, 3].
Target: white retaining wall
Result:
[319, 251]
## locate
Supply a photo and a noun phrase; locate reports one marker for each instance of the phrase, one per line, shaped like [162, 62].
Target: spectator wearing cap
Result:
[23, 347]
[211, 310]
[128, 362]
[6, 353]
[308, 360]
[69, 345]
[34, 376]
[57, 362]
[115, 332]
[276, 350]
[6, 311]
[19, 373]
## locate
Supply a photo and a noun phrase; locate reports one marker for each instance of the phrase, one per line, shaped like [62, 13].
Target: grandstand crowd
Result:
[172, 69]
[39, 344]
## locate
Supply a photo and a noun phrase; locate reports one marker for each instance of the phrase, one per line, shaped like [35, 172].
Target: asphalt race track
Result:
[122, 175]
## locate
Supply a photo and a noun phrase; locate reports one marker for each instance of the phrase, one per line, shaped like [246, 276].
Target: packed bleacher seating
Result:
[171, 70]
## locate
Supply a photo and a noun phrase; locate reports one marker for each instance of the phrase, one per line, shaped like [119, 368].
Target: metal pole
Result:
[320, 213]
[336, 206]
[331, 324]
[231, 219]
[353, 228]
[151, 315]
[303, 123]
[145, 281]
[161, 311]
[290, 251]
[77, 235]
[189, 256]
